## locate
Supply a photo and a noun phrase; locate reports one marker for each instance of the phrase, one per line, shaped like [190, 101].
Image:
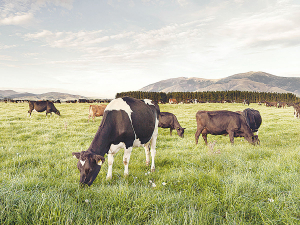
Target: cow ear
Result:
[99, 159]
[76, 154]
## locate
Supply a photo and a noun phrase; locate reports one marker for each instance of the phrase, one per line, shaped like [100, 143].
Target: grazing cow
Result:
[246, 102]
[253, 119]
[96, 110]
[172, 101]
[169, 120]
[270, 104]
[296, 111]
[223, 122]
[281, 104]
[127, 122]
[41, 106]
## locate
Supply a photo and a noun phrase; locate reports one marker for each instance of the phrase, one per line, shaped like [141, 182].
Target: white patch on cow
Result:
[100, 162]
[115, 148]
[82, 162]
[119, 104]
[137, 143]
[34, 110]
[148, 101]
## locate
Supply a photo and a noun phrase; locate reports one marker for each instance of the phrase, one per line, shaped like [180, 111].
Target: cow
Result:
[297, 111]
[253, 118]
[96, 110]
[281, 104]
[270, 104]
[246, 102]
[223, 122]
[169, 120]
[172, 101]
[127, 122]
[41, 106]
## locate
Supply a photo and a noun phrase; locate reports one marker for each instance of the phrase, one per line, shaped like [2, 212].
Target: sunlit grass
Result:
[238, 183]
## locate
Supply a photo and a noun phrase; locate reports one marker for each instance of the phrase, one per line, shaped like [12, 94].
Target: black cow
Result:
[246, 102]
[41, 106]
[169, 120]
[126, 123]
[253, 118]
[223, 122]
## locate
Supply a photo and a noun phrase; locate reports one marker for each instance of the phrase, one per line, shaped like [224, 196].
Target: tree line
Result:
[213, 96]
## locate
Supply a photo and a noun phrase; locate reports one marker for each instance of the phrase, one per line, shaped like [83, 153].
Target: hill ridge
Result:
[249, 81]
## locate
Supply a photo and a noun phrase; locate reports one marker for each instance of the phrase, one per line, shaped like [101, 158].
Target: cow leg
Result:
[204, 138]
[126, 158]
[110, 161]
[153, 146]
[231, 136]
[171, 131]
[147, 152]
[197, 134]
[110, 157]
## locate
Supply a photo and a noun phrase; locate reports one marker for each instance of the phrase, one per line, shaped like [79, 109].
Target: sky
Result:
[97, 48]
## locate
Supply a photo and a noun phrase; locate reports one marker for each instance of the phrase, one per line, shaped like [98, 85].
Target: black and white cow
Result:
[127, 122]
[41, 106]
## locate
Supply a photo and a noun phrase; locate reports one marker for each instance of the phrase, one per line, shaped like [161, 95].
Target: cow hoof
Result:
[125, 175]
[108, 178]
[147, 163]
[152, 170]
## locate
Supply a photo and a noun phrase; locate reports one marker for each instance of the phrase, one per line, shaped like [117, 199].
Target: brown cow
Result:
[172, 101]
[223, 122]
[270, 104]
[96, 110]
[41, 106]
[169, 120]
[297, 111]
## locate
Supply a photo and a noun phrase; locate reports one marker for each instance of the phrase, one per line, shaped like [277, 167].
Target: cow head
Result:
[255, 140]
[180, 131]
[57, 112]
[89, 165]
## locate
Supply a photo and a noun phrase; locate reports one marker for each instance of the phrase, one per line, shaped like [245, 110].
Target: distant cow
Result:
[41, 106]
[296, 111]
[270, 104]
[223, 122]
[246, 102]
[281, 105]
[96, 110]
[172, 101]
[253, 118]
[127, 122]
[169, 120]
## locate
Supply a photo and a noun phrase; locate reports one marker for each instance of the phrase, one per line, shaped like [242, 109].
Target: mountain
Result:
[250, 81]
[30, 96]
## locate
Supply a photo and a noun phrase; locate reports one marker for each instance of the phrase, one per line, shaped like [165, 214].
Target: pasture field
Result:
[231, 184]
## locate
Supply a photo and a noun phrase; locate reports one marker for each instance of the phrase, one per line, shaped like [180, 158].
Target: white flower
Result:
[86, 200]
[270, 200]
[150, 181]
[153, 185]
[164, 183]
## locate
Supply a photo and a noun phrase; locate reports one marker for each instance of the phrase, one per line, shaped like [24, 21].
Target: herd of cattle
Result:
[128, 122]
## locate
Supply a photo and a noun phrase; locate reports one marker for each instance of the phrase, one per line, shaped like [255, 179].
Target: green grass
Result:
[244, 184]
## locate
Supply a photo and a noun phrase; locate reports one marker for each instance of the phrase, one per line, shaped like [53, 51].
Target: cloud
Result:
[17, 19]
[79, 39]
[276, 26]
[21, 12]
